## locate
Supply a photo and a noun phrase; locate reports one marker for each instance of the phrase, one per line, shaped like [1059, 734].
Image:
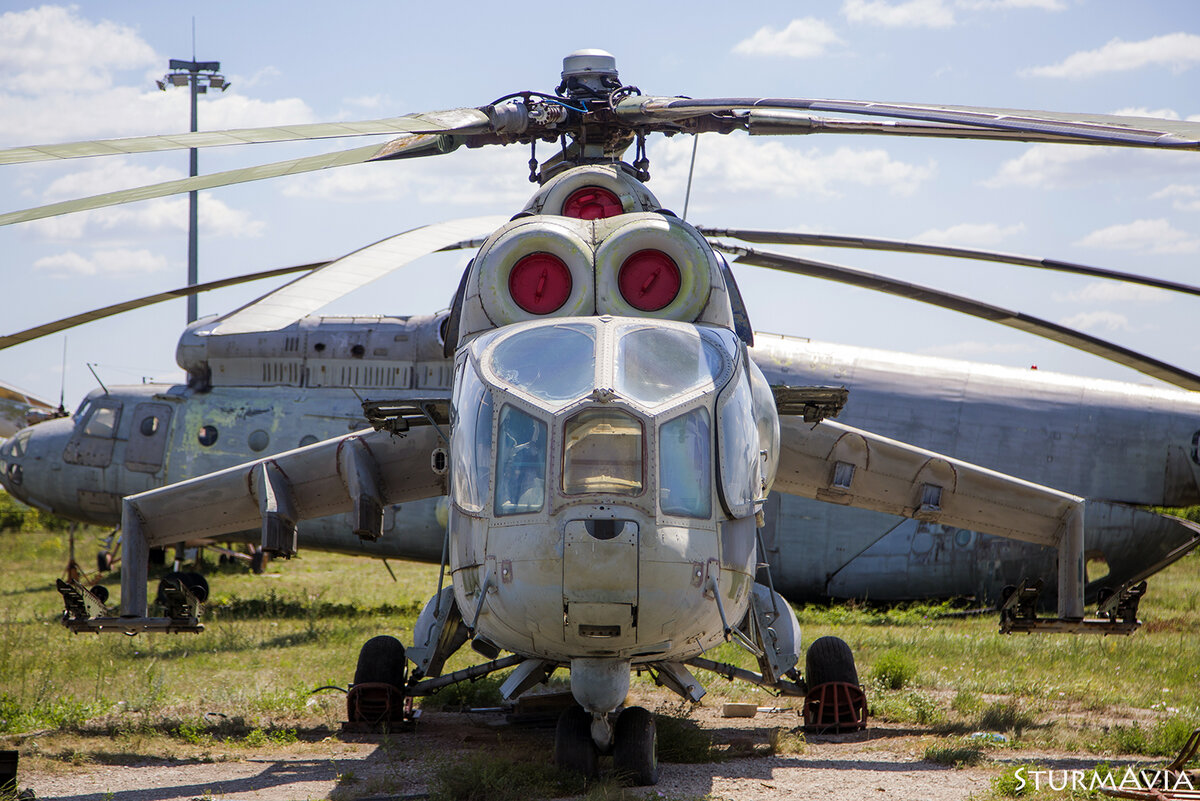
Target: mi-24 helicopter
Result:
[609, 444]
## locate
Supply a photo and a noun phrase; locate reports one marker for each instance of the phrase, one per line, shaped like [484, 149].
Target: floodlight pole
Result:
[199, 75]
[193, 273]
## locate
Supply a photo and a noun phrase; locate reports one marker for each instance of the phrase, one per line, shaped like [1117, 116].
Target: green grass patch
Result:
[501, 777]
[682, 740]
[894, 670]
[959, 756]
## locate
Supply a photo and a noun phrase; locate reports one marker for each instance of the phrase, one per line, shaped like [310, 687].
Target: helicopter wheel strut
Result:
[573, 746]
[635, 751]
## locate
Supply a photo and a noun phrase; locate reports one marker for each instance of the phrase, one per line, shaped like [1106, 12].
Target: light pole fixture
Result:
[200, 75]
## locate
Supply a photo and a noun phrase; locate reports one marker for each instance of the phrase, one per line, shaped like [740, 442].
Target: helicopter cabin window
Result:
[602, 452]
[657, 364]
[685, 465]
[521, 361]
[741, 465]
[520, 463]
[471, 451]
[102, 423]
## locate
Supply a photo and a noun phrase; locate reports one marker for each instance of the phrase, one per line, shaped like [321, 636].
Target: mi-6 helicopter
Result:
[609, 444]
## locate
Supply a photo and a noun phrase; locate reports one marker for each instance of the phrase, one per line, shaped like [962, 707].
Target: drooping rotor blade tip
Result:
[306, 295]
[901, 246]
[1049, 330]
[460, 121]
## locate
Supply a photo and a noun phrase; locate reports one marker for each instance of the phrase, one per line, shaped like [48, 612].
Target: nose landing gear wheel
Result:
[573, 746]
[635, 751]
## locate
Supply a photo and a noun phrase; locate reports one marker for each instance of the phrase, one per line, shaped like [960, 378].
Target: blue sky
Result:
[82, 72]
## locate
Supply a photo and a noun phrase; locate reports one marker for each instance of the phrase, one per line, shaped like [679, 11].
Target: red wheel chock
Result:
[835, 707]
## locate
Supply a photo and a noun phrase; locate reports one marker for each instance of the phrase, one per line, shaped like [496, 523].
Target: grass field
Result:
[272, 639]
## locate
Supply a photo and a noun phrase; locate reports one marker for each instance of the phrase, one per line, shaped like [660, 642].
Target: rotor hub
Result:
[589, 73]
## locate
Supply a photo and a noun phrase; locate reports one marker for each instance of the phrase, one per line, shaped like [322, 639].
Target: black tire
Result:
[635, 748]
[101, 593]
[197, 585]
[381, 661]
[829, 659]
[104, 562]
[194, 583]
[573, 746]
[258, 561]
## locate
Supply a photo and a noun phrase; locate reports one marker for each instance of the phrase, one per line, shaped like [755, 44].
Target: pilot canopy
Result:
[656, 416]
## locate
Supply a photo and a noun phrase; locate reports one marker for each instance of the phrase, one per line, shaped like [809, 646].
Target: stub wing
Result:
[845, 465]
[358, 473]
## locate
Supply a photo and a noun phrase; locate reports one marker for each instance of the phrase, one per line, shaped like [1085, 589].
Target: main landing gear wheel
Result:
[376, 698]
[635, 752]
[829, 659]
[573, 746]
[381, 661]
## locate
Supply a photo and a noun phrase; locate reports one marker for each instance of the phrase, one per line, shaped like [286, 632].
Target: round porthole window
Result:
[258, 440]
[307, 439]
[207, 436]
[149, 426]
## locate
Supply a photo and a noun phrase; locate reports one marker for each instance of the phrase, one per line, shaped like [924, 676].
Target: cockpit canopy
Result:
[608, 409]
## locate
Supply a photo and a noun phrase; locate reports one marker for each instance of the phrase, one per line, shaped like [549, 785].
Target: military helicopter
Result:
[609, 444]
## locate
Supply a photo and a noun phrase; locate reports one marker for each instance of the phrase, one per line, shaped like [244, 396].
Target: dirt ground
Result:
[883, 762]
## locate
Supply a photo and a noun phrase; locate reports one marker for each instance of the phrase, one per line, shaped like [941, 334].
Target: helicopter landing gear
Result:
[634, 745]
[376, 698]
[635, 750]
[573, 746]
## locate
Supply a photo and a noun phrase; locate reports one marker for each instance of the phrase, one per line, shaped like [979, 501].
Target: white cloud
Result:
[740, 164]
[1048, 166]
[107, 175]
[131, 221]
[802, 38]
[909, 14]
[463, 178]
[1154, 236]
[1142, 111]
[1000, 5]
[62, 82]
[117, 261]
[1178, 51]
[52, 48]
[975, 235]
[1098, 320]
[1186, 197]
[1098, 292]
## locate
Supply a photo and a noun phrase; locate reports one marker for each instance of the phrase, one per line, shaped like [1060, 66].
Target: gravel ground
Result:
[883, 762]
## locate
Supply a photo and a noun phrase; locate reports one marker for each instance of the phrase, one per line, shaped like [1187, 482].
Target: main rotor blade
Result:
[460, 121]
[408, 146]
[900, 246]
[305, 295]
[149, 300]
[1021, 322]
[1047, 125]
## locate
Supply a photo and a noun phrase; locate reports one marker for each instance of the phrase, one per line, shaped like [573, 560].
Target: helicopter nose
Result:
[12, 473]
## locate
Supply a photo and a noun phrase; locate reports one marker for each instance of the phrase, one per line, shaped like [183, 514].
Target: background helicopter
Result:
[508, 287]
